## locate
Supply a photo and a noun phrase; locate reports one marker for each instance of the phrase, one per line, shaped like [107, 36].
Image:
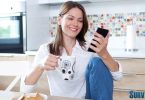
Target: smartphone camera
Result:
[101, 31]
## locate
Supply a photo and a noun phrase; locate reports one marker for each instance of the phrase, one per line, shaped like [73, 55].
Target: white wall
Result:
[37, 24]
[37, 20]
[119, 6]
[109, 7]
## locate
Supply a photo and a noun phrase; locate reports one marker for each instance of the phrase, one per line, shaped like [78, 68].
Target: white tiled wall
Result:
[38, 19]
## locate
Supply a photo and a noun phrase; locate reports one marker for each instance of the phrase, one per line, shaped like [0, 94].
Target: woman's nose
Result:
[75, 23]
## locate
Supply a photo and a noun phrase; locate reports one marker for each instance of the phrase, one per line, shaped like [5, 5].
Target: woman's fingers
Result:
[99, 43]
[51, 62]
[96, 46]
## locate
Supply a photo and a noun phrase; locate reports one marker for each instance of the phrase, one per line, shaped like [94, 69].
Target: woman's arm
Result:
[28, 81]
[47, 63]
[101, 49]
[34, 76]
[43, 61]
[110, 62]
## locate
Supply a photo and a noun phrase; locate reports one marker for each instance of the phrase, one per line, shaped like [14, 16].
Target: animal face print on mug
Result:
[66, 65]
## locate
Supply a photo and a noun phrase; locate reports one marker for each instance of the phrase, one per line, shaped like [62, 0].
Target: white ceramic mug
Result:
[66, 65]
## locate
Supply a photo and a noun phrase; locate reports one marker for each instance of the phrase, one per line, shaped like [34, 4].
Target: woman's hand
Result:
[101, 49]
[50, 62]
[100, 44]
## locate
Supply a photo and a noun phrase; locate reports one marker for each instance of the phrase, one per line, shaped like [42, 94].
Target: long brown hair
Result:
[56, 46]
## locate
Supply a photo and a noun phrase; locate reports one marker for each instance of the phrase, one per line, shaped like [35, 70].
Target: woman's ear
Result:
[59, 20]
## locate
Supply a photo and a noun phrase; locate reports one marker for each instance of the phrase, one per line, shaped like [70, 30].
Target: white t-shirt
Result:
[67, 88]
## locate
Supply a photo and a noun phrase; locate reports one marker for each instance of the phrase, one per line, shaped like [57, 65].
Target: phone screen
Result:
[101, 31]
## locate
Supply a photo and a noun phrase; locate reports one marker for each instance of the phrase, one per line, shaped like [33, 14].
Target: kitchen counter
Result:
[33, 53]
[121, 53]
[17, 54]
[116, 53]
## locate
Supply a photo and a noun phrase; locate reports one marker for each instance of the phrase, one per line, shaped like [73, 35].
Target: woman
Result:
[93, 71]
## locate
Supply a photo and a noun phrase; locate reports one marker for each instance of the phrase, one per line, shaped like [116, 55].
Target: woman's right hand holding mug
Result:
[50, 62]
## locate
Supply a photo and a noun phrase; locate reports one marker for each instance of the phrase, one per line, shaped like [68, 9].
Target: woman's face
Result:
[71, 23]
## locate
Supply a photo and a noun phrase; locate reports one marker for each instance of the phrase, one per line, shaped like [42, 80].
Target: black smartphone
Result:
[101, 31]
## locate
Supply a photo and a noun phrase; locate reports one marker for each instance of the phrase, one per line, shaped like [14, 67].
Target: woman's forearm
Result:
[34, 76]
[110, 62]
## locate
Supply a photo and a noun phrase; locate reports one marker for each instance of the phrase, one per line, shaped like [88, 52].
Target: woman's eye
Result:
[80, 21]
[70, 18]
